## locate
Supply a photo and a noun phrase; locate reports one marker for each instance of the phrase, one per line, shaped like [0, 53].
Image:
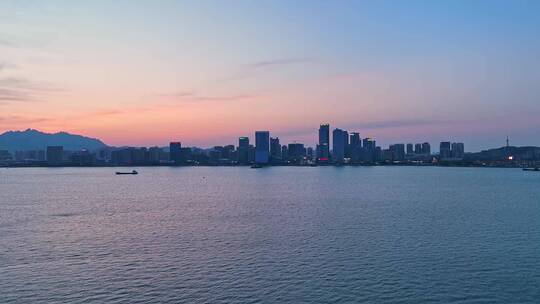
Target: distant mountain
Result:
[36, 140]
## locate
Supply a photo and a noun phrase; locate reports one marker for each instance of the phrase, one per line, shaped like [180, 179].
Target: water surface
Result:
[273, 235]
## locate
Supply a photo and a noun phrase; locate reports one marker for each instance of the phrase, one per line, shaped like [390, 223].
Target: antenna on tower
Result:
[507, 142]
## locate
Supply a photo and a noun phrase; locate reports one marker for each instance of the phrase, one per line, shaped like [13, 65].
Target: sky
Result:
[145, 73]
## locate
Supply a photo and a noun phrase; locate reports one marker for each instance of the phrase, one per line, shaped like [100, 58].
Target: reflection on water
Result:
[297, 235]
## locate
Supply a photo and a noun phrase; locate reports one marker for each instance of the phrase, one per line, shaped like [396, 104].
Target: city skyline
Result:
[142, 73]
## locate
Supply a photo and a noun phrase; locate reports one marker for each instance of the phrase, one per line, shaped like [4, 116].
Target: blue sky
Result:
[206, 72]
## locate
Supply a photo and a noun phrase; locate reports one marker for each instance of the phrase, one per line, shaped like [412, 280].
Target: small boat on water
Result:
[531, 169]
[127, 173]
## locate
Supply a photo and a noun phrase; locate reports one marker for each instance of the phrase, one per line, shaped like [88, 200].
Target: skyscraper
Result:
[175, 152]
[410, 149]
[323, 151]
[338, 145]
[398, 152]
[346, 141]
[262, 147]
[243, 150]
[368, 150]
[458, 150]
[296, 152]
[355, 140]
[355, 147]
[444, 150]
[275, 150]
[426, 148]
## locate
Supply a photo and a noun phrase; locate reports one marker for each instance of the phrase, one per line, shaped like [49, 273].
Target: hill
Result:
[35, 140]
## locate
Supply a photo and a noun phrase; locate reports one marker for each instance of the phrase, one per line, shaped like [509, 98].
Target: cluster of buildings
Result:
[338, 147]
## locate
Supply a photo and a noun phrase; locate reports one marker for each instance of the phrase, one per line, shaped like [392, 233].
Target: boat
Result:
[127, 173]
[531, 169]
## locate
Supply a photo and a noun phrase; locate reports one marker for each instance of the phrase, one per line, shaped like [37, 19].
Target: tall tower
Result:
[262, 147]
[338, 148]
[323, 151]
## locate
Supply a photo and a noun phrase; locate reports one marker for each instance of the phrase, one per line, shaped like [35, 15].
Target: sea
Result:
[387, 234]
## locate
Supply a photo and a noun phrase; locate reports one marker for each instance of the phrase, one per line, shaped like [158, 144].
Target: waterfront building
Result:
[284, 152]
[55, 155]
[458, 150]
[296, 153]
[175, 152]
[426, 148]
[275, 150]
[445, 150]
[418, 149]
[323, 149]
[410, 150]
[262, 147]
[338, 145]
[243, 150]
[154, 155]
[398, 152]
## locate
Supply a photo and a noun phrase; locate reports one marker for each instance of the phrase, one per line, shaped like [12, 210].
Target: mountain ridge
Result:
[32, 139]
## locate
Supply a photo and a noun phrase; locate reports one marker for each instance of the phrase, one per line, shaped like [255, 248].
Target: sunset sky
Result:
[206, 72]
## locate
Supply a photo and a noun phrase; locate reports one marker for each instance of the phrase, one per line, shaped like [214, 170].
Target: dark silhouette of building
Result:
[155, 155]
[83, 158]
[262, 147]
[398, 152]
[296, 153]
[418, 149]
[175, 152]
[458, 150]
[410, 149]
[55, 155]
[444, 150]
[243, 150]
[275, 150]
[284, 152]
[338, 145]
[323, 148]
[426, 148]
[5, 155]
[309, 153]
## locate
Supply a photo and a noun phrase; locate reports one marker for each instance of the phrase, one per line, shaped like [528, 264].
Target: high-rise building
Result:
[154, 154]
[175, 152]
[458, 150]
[355, 147]
[275, 150]
[426, 148]
[338, 145]
[243, 150]
[55, 155]
[323, 150]
[309, 153]
[355, 141]
[445, 150]
[262, 147]
[251, 154]
[418, 149]
[398, 152]
[369, 143]
[296, 152]
[284, 152]
[410, 149]
[346, 142]
[369, 147]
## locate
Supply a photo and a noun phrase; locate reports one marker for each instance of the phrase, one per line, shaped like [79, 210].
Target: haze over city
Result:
[149, 72]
